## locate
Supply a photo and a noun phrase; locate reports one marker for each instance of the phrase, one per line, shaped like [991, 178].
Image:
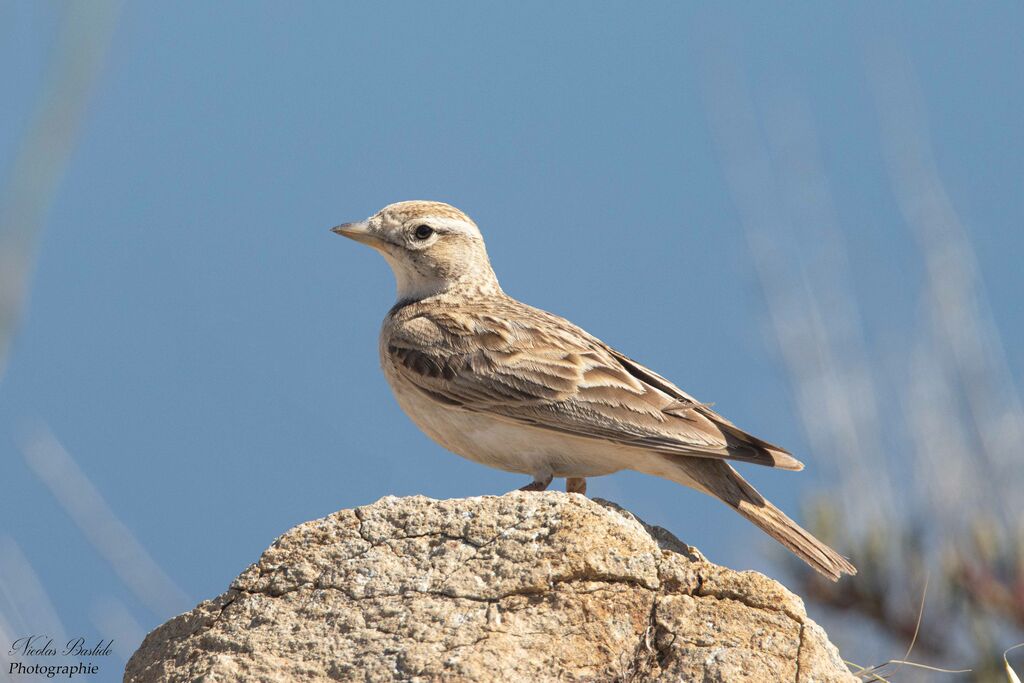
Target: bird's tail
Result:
[718, 479]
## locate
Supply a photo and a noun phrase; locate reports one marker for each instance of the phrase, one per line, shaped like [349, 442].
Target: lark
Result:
[520, 389]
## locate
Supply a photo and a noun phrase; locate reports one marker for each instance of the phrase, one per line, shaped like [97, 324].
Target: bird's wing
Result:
[531, 367]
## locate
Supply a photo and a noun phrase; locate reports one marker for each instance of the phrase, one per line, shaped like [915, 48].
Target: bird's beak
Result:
[357, 231]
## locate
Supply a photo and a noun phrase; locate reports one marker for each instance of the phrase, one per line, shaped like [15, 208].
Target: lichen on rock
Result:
[525, 586]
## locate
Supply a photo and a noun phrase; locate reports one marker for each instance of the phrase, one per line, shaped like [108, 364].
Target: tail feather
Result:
[718, 479]
[790, 534]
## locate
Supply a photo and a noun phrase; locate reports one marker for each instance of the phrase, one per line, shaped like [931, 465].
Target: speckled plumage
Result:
[514, 387]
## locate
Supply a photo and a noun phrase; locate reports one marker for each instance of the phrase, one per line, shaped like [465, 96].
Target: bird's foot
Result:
[537, 485]
[576, 485]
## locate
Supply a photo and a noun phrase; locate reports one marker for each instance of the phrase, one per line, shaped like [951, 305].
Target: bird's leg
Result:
[538, 484]
[576, 485]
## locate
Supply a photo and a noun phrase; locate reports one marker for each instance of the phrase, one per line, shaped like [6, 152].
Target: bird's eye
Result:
[422, 232]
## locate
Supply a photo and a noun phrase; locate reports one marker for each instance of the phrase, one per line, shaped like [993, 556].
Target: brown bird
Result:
[514, 387]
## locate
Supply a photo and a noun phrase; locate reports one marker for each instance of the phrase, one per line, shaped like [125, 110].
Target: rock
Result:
[521, 587]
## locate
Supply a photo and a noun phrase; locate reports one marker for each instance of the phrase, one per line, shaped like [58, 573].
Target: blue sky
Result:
[206, 350]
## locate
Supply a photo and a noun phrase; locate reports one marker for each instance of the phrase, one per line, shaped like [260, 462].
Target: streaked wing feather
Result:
[531, 367]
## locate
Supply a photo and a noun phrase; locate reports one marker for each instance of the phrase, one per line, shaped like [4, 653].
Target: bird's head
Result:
[432, 247]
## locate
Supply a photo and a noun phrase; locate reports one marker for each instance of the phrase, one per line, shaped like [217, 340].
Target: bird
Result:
[514, 387]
